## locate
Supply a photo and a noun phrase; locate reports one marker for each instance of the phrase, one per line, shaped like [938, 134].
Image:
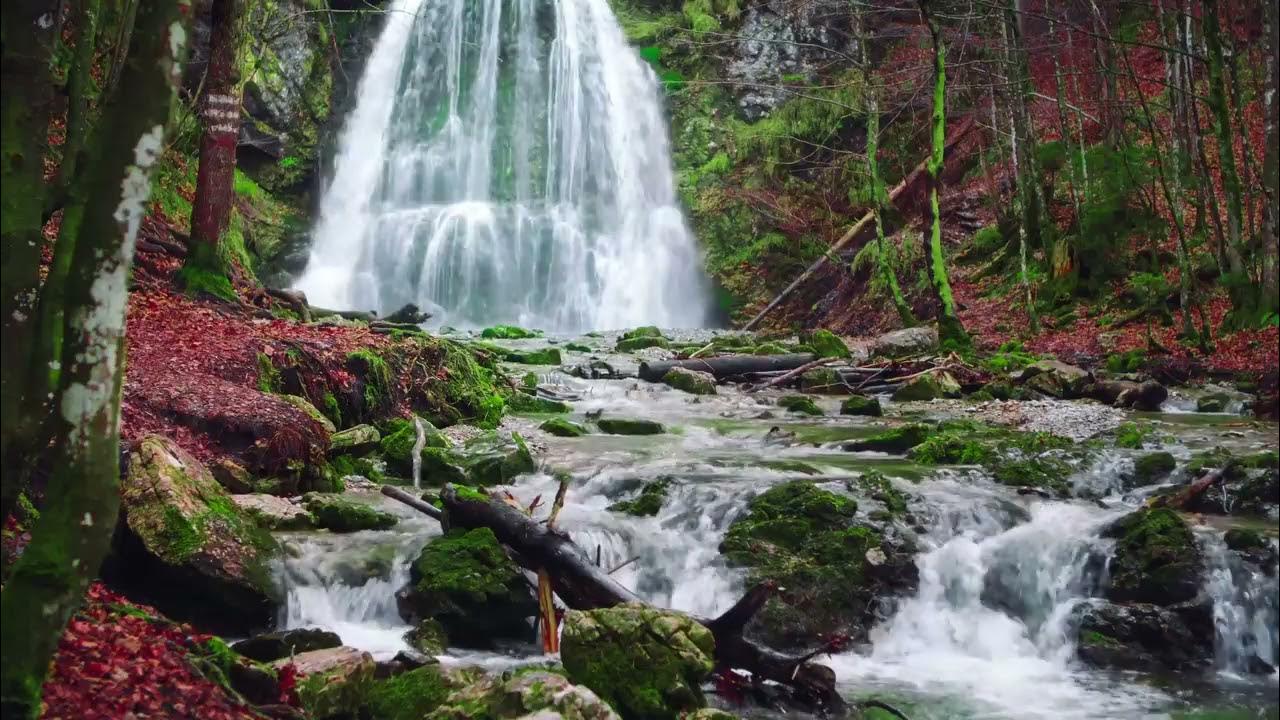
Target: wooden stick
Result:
[396, 493]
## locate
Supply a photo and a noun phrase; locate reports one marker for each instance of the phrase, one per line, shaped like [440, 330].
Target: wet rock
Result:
[332, 682]
[1140, 636]
[1153, 467]
[822, 380]
[272, 512]
[542, 356]
[283, 643]
[861, 405]
[194, 552]
[804, 539]
[1149, 395]
[538, 694]
[354, 570]
[399, 437]
[647, 663]
[525, 402]
[895, 441]
[907, 341]
[465, 581]
[1156, 558]
[427, 637]
[1242, 539]
[935, 385]
[341, 515]
[562, 428]
[597, 370]
[632, 344]
[358, 439]
[800, 404]
[232, 475]
[648, 502]
[1054, 378]
[624, 426]
[500, 463]
[1213, 403]
[693, 382]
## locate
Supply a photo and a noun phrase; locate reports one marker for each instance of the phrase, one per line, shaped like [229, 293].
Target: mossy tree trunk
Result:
[82, 499]
[220, 131]
[879, 197]
[28, 32]
[1271, 165]
[80, 86]
[1029, 200]
[1016, 143]
[949, 327]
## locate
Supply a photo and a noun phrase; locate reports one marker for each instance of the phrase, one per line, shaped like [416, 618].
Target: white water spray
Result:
[507, 161]
[419, 441]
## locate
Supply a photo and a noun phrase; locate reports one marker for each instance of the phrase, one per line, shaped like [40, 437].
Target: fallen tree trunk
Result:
[727, 365]
[1193, 490]
[910, 181]
[583, 585]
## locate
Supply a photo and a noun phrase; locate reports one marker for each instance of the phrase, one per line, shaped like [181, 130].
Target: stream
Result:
[948, 651]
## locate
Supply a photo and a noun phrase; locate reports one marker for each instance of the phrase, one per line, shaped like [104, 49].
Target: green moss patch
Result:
[562, 428]
[341, 515]
[509, 332]
[648, 502]
[624, 426]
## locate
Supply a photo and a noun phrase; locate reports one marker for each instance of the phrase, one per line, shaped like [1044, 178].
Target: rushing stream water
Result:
[989, 632]
[507, 161]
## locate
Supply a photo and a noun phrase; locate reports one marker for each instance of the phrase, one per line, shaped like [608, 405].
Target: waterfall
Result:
[507, 161]
[1246, 611]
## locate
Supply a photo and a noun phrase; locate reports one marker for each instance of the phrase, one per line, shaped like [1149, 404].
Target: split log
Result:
[722, 367]
[583, 585]
[912, 180]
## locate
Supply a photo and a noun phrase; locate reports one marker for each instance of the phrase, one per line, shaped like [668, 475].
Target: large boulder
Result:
[647, 663]
[831, 570]
[188, 547]
[907, 341]
[693, 382]
[826, 344]
[1156, 558]
[332, 682]
[465, 581]
[932, 386]
[1054, 378]
[539, 694]
[339, 514]
[1140, 636]
[284, 643]
[273, 512]
[355, 440]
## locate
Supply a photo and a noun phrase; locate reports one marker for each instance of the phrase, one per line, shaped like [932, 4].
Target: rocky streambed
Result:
[960, 558]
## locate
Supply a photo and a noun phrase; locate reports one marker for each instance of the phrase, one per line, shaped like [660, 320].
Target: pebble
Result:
[1064, 418]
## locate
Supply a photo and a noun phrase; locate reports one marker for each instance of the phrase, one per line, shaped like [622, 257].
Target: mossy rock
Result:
[509, 332]
[932, 386]
[629, 426]
[646, 331]
[1153, 467]
[205, 557]
[649, 664]
[541, 356]
[562, 428]
[526, 693]
[305, 405]
[861, 405]
[398, 439]
[648, 502]
[354, 440]
[427, 637]
[1156, 558]
[410, 695]
[340, 515]
[800, 404]
[333, 682]
[770, 348]
[826, 344]
[1213, 403]
[693, 382]
[894, 441]
[627, 345]
[823, 380]
[520, 402]
[465, 581]
[502, 465]
[271, 512]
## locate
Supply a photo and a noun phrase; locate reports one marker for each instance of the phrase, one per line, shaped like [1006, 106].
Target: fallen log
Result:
[913, 179]
[361, 315]
[1180, 499]
[584, 585]
[793, 373]
[418, 504]
[727, 365]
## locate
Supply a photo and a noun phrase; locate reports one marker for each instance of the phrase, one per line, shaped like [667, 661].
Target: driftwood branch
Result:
[422, 506]
[788, 375]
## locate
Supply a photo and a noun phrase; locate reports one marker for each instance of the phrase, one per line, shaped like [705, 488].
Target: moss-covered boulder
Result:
[412, 695]
[826, 344]
[561, 427]
[272, 512]
[523, 402]
[465, 581]
[770, 348]
[800, 404]
[895, 441]
[305, 406]
[647, 663]
[332, 683]
[861, 405]
[508, 332]
[643, 331]
[629, 426]
[632, 344]
[201, 557]
[541, 356]
[1142, 636]
[283, 643]
[932, 386]
[343, 515]
[355, 440]
[1153, 467]
[1213, 403]
[499, 463]
[1156, 558]
[427, 637]
[823, 380]
[648, 502]
[530, 694]
[904, 342]
[1055, 379]
[693, 382]
[830, 569]
[400, 436]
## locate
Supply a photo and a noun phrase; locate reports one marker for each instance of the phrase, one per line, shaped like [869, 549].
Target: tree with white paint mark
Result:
[74, 530]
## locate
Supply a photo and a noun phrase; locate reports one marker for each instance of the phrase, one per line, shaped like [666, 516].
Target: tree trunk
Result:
[1271, 166]
[75, 526]
[79, 89]
[27, 36]
[220, 131]
[1015, 157]
[727, 366]
[949, 327]
[878, 196]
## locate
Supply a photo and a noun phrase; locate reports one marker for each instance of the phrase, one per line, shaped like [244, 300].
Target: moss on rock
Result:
[629, 426]
[427, 637]
[465, 581]
[408, 696]
[928, 387]
[643, 331]
[861, 405]
[562, 428]
[895, 441]
[1153, 467]
[648, 502]
[501, 465]
[647, 663]
[632, 344]
[800, 404]
[690, 381]
[508, 332]
[399, 438]
[520, 402]
[826, 344]
[340, 515]
[1156, 558]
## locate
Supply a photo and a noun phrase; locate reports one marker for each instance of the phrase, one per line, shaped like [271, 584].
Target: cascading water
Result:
[507, 161]
[1246, 610]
